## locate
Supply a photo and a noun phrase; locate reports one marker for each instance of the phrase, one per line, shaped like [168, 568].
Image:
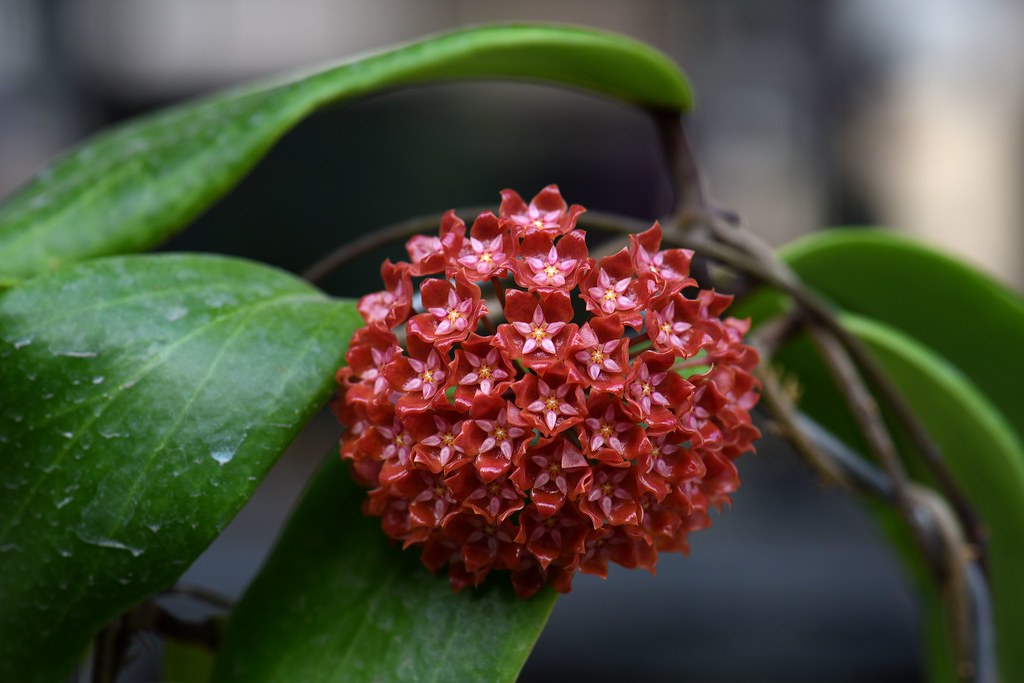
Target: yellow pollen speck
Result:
[607, 429]
[538, 223]
[610, 295]
[448, 439]
[666, 328]
[646, 387]
[607, 488]
[500, 433]
[539, 333]
[554, 468]
[439, 490]
[493, 488]
[551, 272]
[486, 257]
[398, 440]
[596, 356]
[427, 376]
[551, 403]
[453, 315]
[485, 371]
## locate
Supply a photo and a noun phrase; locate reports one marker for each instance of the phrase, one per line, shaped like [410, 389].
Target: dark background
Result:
[809, 114]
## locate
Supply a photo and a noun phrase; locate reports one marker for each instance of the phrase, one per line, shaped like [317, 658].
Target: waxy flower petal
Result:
[666, 272]
[538, 331]
[452, 311]
[612, 289]
[487, 253]
[545, 266]
[547, 212]
[391, 306]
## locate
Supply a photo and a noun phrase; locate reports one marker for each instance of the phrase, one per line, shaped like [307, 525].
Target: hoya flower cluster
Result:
[590, 411]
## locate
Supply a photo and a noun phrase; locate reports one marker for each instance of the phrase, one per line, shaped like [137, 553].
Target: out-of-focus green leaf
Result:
[187, 663]
[962, 314]
[982, 450]
[143, 398]
[132, 187]
[337, 602]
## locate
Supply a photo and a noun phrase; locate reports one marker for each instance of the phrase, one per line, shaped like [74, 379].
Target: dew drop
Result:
[111, 543]
[222, 456]
[78, 354]
[176, 313]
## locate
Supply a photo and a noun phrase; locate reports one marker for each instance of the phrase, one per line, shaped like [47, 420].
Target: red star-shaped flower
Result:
[547, 212]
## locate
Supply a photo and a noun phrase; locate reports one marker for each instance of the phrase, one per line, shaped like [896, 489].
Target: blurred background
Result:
[810, 113]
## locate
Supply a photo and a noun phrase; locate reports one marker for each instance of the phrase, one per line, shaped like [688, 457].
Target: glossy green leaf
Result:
[981, 448]
[967, 317]
[132, 187]
[143, 398]
[337, 602]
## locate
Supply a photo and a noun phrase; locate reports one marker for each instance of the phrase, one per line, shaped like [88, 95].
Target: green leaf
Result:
[982, 450]
[143, 399]
[967, 317]
[187, 663]
[337, 602]
[132, 187]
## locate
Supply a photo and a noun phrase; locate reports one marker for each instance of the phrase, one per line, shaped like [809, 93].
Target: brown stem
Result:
[844, 352]
[865, 411]
[108, 651]
[965, 592]
[757, 259]
[780, 405]
[681, 160]
[375, 240]
[206, 633]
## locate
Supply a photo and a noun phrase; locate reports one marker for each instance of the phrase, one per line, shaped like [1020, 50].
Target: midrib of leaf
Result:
[209, 373]
[156, 362]
[371, 604]
[183, 412]
[109, 303]
[131, 382]
[442, 657]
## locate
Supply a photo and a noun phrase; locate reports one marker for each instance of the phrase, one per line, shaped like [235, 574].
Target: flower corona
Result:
[526, 407]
